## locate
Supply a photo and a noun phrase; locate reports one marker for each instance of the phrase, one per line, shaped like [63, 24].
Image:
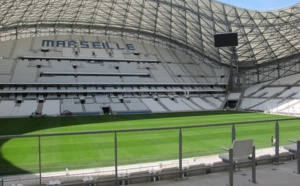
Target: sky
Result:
[261, 4]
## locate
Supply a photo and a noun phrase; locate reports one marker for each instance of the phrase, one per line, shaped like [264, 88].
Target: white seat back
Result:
[242, 149]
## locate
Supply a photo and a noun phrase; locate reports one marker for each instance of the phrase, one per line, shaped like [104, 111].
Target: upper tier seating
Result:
[53, 76]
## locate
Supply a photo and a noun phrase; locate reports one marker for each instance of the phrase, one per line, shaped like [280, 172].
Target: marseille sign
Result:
[87, 44]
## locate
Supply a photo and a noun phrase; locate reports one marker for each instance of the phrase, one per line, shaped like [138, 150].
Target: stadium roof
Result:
[187, 25]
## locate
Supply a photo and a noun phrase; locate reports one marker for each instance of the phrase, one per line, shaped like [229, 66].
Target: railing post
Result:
[298, 157]
[230, 167]
[276, 142]
[180, 154]
[232, 133]
[40, 161]
[253, 165]
[116, 159]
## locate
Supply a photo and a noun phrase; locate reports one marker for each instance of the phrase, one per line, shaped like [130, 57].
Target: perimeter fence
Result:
[112, 157]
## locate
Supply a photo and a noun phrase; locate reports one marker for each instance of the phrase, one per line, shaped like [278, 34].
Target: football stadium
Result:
[148, 92]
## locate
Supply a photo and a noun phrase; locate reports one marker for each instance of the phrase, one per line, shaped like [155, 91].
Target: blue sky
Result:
[261, 4]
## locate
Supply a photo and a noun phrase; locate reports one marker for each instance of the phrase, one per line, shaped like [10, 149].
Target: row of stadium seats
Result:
[27, 71]
[20, 90]
[116, 105]
[278, 96]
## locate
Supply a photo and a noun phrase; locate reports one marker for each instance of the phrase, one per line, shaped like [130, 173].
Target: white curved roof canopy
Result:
[185, 25]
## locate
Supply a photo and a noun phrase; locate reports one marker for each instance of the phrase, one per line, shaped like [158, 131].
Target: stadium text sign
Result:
[87, 44]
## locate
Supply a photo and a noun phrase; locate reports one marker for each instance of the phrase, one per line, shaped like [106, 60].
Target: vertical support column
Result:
[257, 74]
[298, 157]
[234, 71]
[253, 165]
[276, 142]
[116, 159]
[180, 154]
[233, 133]
[40, 160]
[230, 167]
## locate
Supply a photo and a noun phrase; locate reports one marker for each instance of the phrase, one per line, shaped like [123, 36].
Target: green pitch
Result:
[20, 155]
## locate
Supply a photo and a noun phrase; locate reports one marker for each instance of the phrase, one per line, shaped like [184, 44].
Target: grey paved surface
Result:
[266, 175]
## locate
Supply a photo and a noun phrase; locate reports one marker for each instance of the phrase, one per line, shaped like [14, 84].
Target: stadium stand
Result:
[51, 107]
[118, 108]
[153, 105]
[137, 107]
[278, 96]
[6, 108]
[53, 79]
[203, 104]
[27, 107]
[93, 109]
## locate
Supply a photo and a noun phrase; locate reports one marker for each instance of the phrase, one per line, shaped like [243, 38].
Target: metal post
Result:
[298, 157]
[116, 159]
[233, 133]
[230, 167]
[180, 154]
[276, 142]
[40, 160]
[253, 165]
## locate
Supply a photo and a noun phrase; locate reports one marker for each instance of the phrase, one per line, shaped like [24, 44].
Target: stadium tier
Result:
[56, 69]
[94, 76]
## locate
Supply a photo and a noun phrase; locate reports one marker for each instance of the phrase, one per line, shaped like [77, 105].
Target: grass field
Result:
[20, 155]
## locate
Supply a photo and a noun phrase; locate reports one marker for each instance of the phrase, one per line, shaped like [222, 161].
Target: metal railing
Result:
[181, 169]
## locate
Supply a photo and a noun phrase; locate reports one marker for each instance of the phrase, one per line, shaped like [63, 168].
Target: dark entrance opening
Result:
[231, 104]
[106, 110]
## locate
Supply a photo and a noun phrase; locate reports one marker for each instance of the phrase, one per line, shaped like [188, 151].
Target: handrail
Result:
[145, 129]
